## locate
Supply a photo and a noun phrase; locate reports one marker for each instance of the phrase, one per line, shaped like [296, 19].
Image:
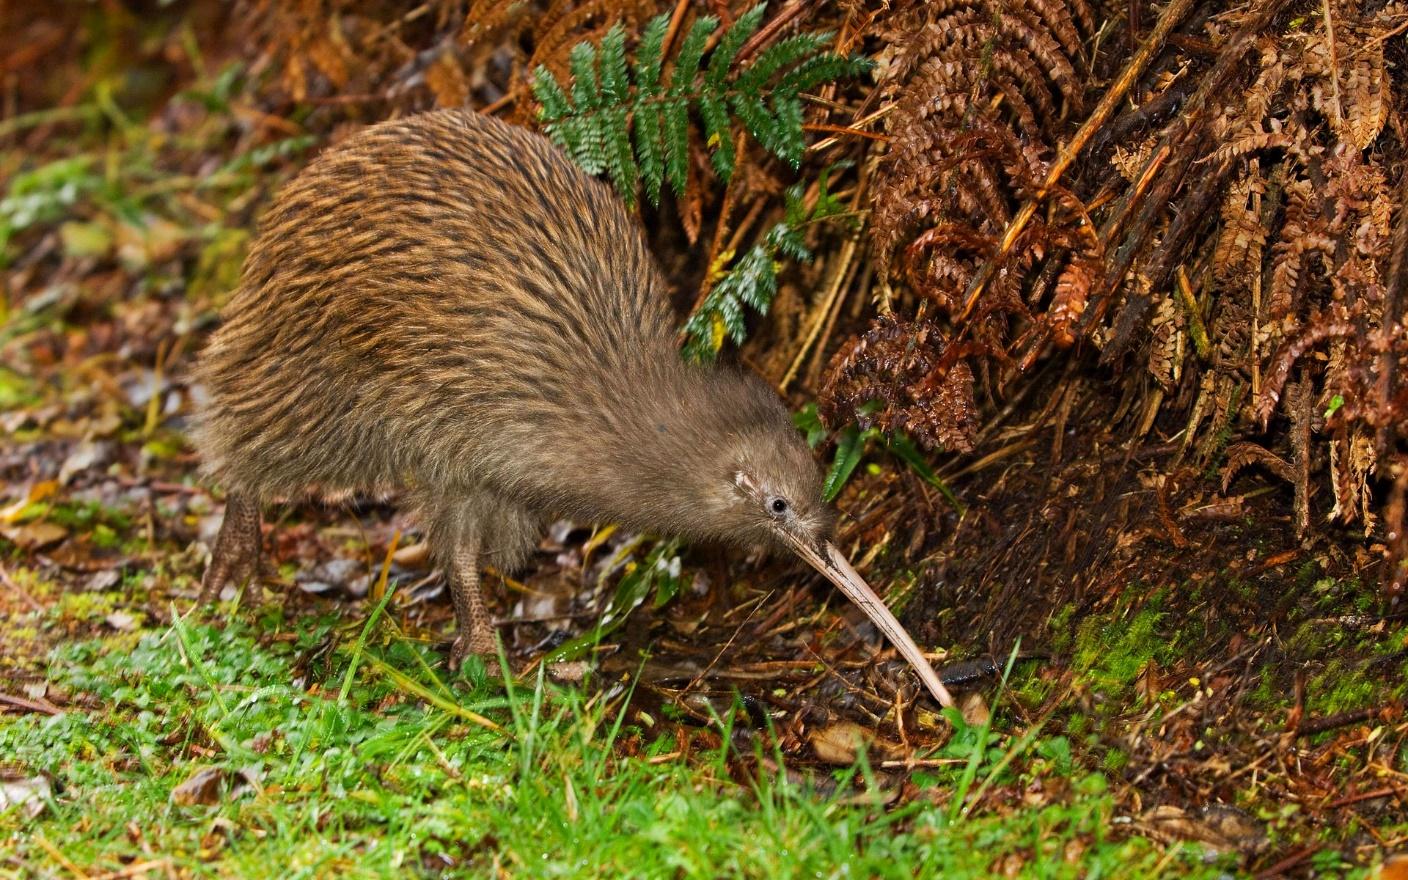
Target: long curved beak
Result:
[829, 561]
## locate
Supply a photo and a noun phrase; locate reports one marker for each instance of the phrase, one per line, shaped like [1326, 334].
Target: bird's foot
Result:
[235, 558]
[240, 571]
[477, 642]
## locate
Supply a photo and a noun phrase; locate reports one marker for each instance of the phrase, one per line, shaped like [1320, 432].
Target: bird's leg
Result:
[235, 559]
[474, 632]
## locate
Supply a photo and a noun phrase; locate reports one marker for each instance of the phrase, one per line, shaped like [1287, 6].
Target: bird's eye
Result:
[779, 505]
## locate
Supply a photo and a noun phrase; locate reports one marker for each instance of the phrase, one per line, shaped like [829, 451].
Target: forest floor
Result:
[1185, 723]
[1145, 693]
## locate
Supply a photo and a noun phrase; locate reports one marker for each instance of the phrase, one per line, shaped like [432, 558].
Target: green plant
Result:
[851, 446]
[752, 281]
[596, 115]
[658, 572]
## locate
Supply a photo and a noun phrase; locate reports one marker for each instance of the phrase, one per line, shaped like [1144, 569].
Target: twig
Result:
[420, 691]
[42, 706]
[833, 290]
[769, 31]
[15, 588]
[58, 856]
[674, 28]
[841, 129]
[1330, 722]
[1393, 290]
[1290, 861]
[1386, 791]
[1334, 62]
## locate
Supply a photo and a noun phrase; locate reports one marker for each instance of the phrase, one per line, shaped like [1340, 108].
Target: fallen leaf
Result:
[85, 239]
[102, 581]
[840, 743]
[201, 787]
[1395, 867]
[569, 671]
[84, 456]
[1221, 828]
[28, 795]
[975, 709]
[121, 621]
[412, 555]
[37, 535]
[37, 493]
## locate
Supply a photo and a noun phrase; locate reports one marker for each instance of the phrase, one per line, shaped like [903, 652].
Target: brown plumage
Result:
[444, 305]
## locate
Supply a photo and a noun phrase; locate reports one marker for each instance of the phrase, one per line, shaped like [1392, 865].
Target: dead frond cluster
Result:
[980, 91]
[900, 377]
[1231, 227]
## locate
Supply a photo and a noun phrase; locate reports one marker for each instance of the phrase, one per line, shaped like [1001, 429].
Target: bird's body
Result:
[444, 305]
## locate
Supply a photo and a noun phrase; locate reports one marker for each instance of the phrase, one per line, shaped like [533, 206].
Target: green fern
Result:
[627, 122]
[752, 282]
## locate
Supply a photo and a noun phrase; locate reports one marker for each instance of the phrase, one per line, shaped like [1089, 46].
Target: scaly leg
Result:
[474, 631]
[235, 559]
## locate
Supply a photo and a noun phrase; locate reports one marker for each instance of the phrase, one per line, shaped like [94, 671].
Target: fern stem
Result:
[734, 241]
[843, 272]
[841, 130]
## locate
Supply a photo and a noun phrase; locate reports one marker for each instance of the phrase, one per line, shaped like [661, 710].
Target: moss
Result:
[1339, 688]
[1060, 630]
[89, 517]
[1115, 760]
[1269, 693]
[1077, 724]
[1314, 639]
[1111, 650]
[79, 607]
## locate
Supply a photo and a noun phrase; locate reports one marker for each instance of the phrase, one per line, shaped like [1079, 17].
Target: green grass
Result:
[395, 778]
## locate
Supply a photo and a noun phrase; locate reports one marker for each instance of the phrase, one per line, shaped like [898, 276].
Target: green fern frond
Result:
[623, 120]
[650, 149]
[615, 82]
[752, 280]
[649, 56]
[733, 39]
[691, 52]
[779, 55]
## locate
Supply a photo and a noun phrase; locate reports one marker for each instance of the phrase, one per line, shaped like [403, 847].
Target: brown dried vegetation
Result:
[1233, 227]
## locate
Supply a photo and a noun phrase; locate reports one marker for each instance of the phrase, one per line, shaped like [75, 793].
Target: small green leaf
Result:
[615, 84]
[650, 147]
[691, 51]
[648, 55]
[850, 447]
[903, 447]
[549, 93]
[676, 114]
[808, 421]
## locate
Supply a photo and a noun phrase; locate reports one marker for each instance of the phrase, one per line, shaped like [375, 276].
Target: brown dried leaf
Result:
[201, 787]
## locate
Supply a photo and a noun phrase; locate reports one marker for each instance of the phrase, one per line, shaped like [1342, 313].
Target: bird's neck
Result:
[637, 448]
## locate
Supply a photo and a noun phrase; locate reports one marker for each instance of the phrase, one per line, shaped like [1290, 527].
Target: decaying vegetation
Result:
[1109, 295]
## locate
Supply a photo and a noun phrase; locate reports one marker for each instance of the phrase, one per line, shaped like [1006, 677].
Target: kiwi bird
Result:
[444, 306]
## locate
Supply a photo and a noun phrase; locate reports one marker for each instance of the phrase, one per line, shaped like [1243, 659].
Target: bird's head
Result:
[766, 489]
